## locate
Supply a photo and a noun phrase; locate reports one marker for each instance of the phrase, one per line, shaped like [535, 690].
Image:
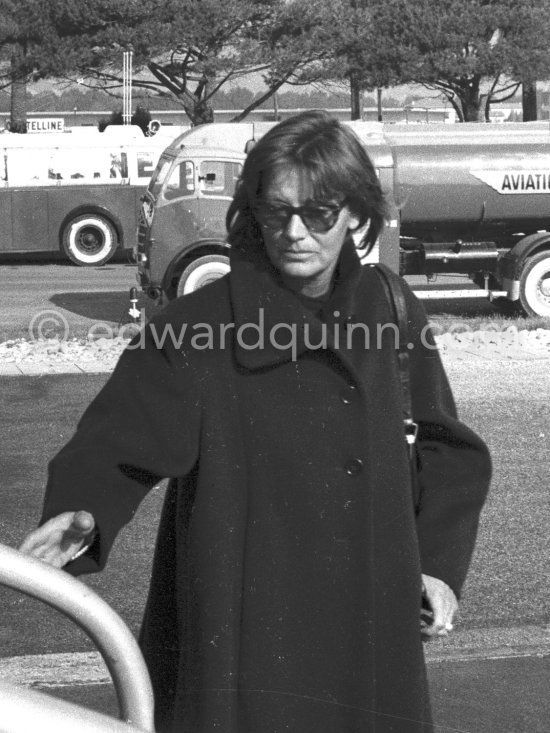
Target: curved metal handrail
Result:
[97, 619]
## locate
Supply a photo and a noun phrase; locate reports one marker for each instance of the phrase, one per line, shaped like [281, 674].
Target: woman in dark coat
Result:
[291, 553]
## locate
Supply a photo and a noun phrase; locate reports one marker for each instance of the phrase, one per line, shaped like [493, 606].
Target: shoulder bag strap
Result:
[396, 298]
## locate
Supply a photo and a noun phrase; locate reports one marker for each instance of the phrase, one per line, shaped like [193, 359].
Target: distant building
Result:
[82, 118]
[429, 109]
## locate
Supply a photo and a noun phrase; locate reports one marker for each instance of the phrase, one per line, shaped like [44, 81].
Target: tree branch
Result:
[166, 79]
[260, 100]
[508, 96]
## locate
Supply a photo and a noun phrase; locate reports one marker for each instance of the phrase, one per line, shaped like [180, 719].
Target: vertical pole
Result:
[379, 102]
[124, 84]
[130, 73]
[127, 87]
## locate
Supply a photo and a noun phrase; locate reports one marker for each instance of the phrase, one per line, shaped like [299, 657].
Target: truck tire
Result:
[89, 240]
[534, 287]
[201, 271]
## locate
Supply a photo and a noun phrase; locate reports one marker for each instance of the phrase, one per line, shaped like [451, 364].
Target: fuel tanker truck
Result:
[471, 200]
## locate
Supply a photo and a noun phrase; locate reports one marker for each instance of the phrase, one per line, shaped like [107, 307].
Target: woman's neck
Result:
[315, 287]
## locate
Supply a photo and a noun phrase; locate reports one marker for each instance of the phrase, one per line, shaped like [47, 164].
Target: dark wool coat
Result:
[286, 584]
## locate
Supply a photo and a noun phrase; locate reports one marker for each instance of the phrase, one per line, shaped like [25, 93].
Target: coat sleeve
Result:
[143, 426]
[454, 466]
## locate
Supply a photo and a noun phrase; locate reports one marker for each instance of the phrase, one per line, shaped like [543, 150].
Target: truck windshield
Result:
[159, 176]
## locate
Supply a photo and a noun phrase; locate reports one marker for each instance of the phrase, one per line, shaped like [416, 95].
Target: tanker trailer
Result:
[474, 199]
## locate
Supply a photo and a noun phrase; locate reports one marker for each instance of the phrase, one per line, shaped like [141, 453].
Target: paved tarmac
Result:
[500, 686]
[481, 696]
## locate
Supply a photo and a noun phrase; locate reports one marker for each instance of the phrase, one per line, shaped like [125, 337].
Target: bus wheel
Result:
[202, 271]
[534, 287]
[89, 240]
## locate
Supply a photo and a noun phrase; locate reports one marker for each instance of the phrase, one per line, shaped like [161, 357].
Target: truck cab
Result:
[181, 242]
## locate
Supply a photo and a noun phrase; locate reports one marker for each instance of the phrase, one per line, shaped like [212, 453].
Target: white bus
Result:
[76, 192]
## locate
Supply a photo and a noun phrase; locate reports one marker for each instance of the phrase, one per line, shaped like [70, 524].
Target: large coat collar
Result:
[285, 326]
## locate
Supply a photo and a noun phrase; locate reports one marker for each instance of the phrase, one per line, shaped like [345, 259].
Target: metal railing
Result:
[23, 710]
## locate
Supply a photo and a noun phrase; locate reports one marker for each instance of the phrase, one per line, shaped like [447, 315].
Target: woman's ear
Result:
[358, 233]
[355, 226]
[357, 222]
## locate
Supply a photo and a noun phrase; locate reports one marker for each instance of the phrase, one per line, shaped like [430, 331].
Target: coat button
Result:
[354, 466]
[348, 394]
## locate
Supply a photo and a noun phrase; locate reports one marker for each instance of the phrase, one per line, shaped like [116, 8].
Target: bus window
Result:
[219, 178]
[64, 165]
[119, 165]
[29, 167]
[181, 181]
[39, 167]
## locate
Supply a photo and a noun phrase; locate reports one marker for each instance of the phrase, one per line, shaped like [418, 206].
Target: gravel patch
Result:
[511, 344]
[54, 352]
[503, 345]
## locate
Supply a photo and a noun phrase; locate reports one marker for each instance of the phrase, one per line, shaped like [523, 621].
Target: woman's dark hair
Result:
[334, 162]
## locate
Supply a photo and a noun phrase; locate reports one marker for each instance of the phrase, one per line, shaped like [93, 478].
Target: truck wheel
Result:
[89, 240]
[534, 287]
[202, 271]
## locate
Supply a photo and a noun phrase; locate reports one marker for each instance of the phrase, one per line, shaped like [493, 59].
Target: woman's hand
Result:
[443, 604]
[58, 540]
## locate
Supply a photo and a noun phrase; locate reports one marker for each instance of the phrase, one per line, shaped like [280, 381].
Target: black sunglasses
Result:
[318, 218]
